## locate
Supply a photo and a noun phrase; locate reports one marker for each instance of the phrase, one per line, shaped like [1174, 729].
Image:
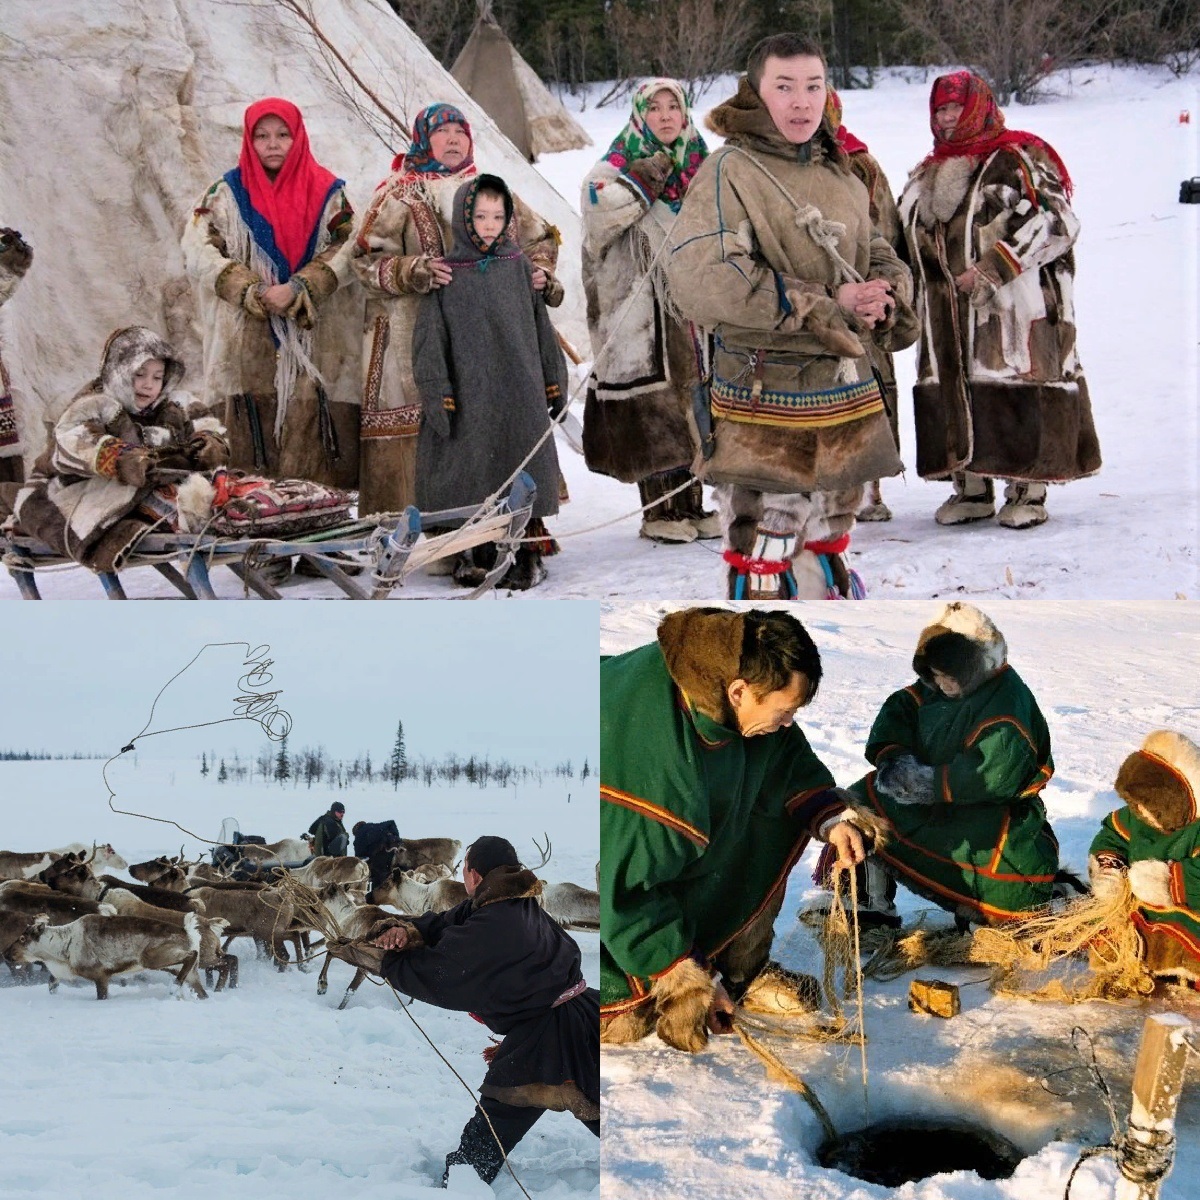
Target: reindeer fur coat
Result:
[767, 234]
[700, 826]
[1000, 390]
[984, 846]
[500, 958]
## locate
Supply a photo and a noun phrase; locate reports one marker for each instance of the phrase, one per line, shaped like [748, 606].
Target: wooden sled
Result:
[387, 548]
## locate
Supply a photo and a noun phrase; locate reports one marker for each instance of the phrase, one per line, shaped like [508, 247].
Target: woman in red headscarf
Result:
[1000, 391]
[398, 254]
[280, 340]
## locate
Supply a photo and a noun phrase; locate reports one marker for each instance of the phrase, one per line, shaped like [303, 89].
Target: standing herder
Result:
[1000, 391]
[709, 794]
[15, 257]
[885, 221]
[637, 421]
[328, 833]
[774, 253]
[280, 333]
[398, 254]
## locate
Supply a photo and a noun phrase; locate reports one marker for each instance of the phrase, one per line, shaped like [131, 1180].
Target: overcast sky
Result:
[515, 680]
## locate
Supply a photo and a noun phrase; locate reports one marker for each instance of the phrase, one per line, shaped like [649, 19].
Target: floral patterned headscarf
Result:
[980, 129]
[833, 116]
[636, 140]
[418, 158]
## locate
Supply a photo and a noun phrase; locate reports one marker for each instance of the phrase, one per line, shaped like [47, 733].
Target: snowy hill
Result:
[710, 1126]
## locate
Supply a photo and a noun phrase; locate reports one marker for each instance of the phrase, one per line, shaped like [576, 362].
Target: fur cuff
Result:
[414, 939]
[234, 282]
[319, 280]
[1151, 882]
[1106, 874]
[682, 997]
[194, 503]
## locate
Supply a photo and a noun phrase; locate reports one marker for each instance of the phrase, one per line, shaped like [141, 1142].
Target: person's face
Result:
[664, 116]
[148, 382]
[767, 713]
[471, 879]
[272, 142]
[793, 90]
[946, 116]
[487, 219]
[946, 684]
[449, 144]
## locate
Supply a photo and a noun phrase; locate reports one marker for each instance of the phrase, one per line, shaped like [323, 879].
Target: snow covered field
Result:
[1128, 533]
[709, 1126]
[267, 1091]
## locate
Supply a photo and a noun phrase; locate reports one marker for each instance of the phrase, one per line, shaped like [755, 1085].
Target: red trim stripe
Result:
[655, 812]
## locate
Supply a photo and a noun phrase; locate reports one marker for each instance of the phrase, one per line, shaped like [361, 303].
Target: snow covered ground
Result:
[710, 1126]
[267, 1091]
[1128, 533]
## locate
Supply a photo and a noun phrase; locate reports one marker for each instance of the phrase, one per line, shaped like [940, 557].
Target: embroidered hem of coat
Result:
[837, 406]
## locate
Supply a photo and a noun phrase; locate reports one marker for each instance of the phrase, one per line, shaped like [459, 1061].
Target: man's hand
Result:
[395, 938]
[967, 280]
[277, 298]
[847, 840]
[720, 1011]
[871, 302]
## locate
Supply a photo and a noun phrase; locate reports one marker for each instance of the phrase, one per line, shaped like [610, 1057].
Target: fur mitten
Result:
[651, 172]
[208, 450]
[1106, 873]
[133, 466]
[358, 954]
[682, 998]
[813, 311]
[302, 310]
[1151, 882]
[905, 780]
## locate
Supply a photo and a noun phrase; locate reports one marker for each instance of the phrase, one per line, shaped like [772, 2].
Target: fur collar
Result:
[1161, 781]
[962, 643]
[940, 189]
[702, 648]
[506, 883]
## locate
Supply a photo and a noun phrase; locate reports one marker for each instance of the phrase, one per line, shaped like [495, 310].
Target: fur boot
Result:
[973, 499]
[665, 520]
[628, 1027]
[682, 998]
[1024, 506]
[690, 506]
[527, 572]
[874, 509]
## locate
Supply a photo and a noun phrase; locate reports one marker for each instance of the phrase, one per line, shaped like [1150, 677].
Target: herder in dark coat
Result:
[488, 366]
[500, 958]
[328, 833]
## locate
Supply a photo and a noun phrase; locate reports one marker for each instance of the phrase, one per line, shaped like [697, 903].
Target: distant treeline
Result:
[1013, 43]
[45, 755]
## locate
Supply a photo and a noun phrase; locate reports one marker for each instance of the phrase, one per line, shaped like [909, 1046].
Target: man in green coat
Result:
[709, 795]
[1155, 838]
[960, 758]
[328, 833]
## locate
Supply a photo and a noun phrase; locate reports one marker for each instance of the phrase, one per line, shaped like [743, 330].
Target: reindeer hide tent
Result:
[503, 84]
[118, 116]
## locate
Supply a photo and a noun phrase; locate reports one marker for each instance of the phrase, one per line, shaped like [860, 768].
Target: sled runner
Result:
[387, 550]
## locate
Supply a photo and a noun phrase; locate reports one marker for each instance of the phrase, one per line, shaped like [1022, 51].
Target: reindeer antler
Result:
[543, 850]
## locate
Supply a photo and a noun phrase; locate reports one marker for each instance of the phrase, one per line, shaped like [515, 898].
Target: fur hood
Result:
[124, 353]
[744, 119]
[506, 883]
[702, 648]
[962, 643]
[1161, 781]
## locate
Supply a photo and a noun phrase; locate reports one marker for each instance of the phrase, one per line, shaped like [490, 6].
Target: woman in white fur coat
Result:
[636, 424]
[281, 331]
[100, 485]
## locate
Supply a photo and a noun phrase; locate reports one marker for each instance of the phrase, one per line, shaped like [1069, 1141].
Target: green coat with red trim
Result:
[1172, 933]
[699, 825]
[985, 843]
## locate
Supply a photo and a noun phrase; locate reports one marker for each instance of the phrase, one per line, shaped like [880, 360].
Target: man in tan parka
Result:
[774, 253]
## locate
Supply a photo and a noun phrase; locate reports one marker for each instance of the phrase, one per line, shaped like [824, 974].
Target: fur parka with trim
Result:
[1000, 389]
[983, 847]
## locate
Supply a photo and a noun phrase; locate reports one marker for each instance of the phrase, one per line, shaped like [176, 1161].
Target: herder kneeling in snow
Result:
[1155, 839]
[499, 957]
[961, 757]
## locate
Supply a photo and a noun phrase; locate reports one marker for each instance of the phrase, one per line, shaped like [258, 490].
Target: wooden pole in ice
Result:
[1147, 1152]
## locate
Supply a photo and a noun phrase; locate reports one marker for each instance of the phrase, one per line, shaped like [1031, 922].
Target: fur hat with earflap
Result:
[962, 643]
[1161, 781]
[124, 353]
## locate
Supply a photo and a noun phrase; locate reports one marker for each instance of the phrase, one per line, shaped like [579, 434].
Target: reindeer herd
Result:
[63, 908]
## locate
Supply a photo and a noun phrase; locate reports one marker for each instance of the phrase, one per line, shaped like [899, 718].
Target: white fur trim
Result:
[156, 435]
[208, 425]
[976, 625]
[194, 502]
[1180, 752]
[1150, 881]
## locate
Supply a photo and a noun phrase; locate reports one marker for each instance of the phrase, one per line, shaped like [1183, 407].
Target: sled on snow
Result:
[389, 550]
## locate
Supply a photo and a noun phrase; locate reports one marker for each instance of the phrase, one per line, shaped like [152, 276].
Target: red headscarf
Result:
[292, 203]
[833, 114]
[980, 129]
